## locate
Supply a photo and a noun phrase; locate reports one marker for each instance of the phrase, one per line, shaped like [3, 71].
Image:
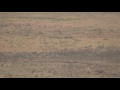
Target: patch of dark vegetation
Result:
[98, 30]
[100, 53]
[88, 53]
[68, 37]
[9, 56]
[100, 71]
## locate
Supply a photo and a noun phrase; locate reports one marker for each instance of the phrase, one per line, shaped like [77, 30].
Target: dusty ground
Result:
[60, 44]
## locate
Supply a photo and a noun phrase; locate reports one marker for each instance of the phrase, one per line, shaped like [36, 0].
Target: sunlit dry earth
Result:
[60, 44]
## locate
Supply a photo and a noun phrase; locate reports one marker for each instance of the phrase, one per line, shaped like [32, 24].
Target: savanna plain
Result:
[59, 44]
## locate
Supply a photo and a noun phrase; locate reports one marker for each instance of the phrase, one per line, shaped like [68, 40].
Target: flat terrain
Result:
[60, 44]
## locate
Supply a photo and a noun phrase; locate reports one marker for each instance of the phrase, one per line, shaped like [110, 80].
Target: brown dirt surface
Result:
[60, 44]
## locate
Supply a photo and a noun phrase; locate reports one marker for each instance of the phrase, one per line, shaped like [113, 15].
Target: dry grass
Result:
[59, 44]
